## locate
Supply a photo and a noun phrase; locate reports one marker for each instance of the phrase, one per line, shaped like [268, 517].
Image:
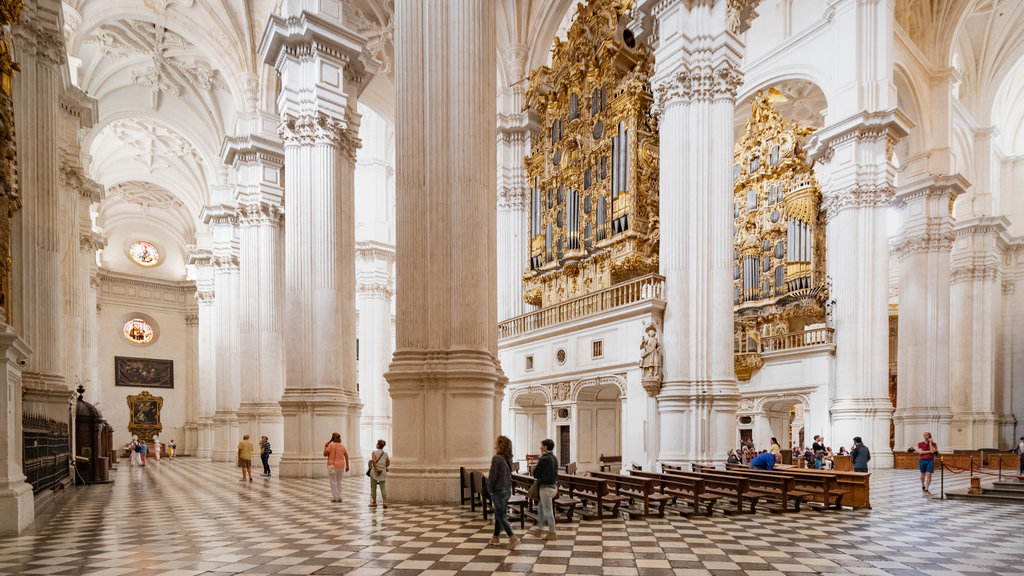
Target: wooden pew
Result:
[561, 501]
[690, 489]
[609, 463]
[635, 487]
[820, 485]
[465, 486]
[770, 485]
[736, 488]
[591, 490]
[479, 496]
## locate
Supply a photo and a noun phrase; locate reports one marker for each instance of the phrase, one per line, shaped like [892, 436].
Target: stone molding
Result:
[314, 128]
[974, 271]
[514, 198]
[739, 14]
[225, 262]
[259, 214]
[858, 196]
[120, 290]
[1009, 287]
[375, 287]
[91, 241]
[192, 319]
[205, 296]
[937, 236]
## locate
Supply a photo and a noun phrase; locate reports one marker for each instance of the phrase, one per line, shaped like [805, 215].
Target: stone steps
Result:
[1006, 491]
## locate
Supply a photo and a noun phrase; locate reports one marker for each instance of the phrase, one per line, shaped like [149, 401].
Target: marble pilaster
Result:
[323, 69]
[206, 355]
[375, 287]
[17, 505]
[923, 252]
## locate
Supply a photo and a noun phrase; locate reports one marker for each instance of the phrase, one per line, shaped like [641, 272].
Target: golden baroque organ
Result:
[592, 170]
[779, 278]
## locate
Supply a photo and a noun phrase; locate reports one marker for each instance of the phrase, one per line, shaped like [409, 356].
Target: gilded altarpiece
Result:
[779, 277]
[593, 168]
[10, 198]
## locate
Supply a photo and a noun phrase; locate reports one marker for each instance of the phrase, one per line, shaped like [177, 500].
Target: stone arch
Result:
[542, 390]
[615, 379]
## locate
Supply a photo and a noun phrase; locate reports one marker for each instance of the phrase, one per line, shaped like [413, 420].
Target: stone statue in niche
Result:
[560, 391]
[650, 360]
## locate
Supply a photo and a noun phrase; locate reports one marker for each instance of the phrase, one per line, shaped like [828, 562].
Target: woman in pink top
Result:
[337, 464]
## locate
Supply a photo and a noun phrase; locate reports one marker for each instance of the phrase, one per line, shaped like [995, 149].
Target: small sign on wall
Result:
[143, 372]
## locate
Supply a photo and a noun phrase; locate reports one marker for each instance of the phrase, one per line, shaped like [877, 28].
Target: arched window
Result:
[138, 331]
[144, 253]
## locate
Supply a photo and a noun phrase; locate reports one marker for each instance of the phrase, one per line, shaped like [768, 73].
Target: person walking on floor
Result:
[819, 451]
[170, 449]
[265, 453]
[499, 484]
[379, 464]
[926, 452]
[143, 451]
[860, 454]
[546, 473]
[245, 457]
[337, 464]
[156, 447]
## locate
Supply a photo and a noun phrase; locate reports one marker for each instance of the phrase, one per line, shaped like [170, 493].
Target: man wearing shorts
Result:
[926, 453]
[245, 457]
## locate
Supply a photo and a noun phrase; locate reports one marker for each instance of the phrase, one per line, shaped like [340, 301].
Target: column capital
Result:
[37, 33]
[260, 213]
[706, 83]
[219, 215]
[192, 318]
[867, 127]
[312, 128]
[91, 241]
[933, 186]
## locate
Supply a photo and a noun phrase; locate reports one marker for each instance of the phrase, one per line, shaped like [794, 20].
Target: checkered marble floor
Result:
[194, 517]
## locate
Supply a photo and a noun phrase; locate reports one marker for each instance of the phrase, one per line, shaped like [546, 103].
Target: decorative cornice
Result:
[225, 262]
[935, 236]
[91, 241]
[864, 128]
[259, 214]
[205, 296]
[974, 271]
[375, 287]
[1009, 287]
[869, 196]
[320, 128]
[192, 319]
[513, 198]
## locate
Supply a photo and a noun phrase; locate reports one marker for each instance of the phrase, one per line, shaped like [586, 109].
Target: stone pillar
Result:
[17, 505]
[375, 286]
[89, 243]
[445, 378]
[923, 249]
[38, 311]
[1012, 393]
[855, 170]
[696, 98]
[514, 128]
[206, 354]
[976, 320]
[189, 445]
[258, 162]
[323, 69]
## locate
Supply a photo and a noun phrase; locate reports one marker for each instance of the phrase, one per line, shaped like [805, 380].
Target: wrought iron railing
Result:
[649, 287]
[47, 451]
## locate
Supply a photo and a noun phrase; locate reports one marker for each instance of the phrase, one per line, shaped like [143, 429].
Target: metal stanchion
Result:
[942, 477]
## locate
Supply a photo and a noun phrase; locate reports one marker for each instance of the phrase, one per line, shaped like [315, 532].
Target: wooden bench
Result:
[609, 463]
[569, 468]
[820, 486]
[774, 486]
[736, 488]
[465, 486]
[690, 489]
[635, 487]
[531, 461]
[478, 496]
[562, 501]
[591, 490]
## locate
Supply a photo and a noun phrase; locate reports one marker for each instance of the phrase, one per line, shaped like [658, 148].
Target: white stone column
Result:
[206, 353]
[445, 379]
[1012, 393]
[258, 162]
[17, 505]
[189, 445]
[89, 243]
[696, 96]
[514, 128]
[38, 312]
[923, 249]
[375, 286]
[976, 318]
[323, 70]
[223, 222]
[855, 171]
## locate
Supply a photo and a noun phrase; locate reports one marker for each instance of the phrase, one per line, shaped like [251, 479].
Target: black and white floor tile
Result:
[188, 517]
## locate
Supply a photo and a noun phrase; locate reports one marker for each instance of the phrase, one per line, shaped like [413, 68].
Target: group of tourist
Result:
[499, 485]
[817, 455]
[138, 450]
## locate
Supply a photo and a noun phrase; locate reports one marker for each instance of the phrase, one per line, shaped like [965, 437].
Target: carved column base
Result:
[262, 419]
[190, 443]
[974, 431]
[310, 417]
[204, 438]
[17, 505]
[867, 418]
[912, 423]
[225, 436]
[697, 421]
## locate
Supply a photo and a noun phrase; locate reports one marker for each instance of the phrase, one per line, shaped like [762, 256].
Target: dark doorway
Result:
[563, 445]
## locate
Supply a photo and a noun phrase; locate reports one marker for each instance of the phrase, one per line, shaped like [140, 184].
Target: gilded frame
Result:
[144, 415]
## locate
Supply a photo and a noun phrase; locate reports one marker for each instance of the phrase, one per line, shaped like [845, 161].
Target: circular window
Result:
[138, 331]
[746, 419]
[144, 253]
[560, 355]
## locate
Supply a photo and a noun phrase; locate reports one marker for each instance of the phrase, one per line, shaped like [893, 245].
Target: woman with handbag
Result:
[499, 484]
[337, 464]
[378, 473]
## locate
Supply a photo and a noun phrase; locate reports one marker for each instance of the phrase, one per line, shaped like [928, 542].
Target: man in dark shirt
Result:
[546, 473]
[819, 451]
[860, 455]
[764, 461]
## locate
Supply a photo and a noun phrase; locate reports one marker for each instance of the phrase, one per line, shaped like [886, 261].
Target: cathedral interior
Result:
[651, 231]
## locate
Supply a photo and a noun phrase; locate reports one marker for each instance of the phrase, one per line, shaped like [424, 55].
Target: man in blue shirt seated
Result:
[765, 461]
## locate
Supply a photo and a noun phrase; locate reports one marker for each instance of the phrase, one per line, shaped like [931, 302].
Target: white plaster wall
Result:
[170, 343]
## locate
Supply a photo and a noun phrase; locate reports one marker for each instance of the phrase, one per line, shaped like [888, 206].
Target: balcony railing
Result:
[649, 287]
[800, 339]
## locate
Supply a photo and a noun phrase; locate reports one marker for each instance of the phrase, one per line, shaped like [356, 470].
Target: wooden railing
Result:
[649, 287]
[790, 340]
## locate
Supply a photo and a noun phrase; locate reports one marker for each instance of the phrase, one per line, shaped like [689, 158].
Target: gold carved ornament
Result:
[10, 200]
[144, 415]
[593, 167]
[779, 247]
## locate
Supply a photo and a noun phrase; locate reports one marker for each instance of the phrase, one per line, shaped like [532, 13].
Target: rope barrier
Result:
[950, 467]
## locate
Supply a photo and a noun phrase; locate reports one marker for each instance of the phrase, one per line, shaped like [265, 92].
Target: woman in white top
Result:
[156, 448]
[379, 463]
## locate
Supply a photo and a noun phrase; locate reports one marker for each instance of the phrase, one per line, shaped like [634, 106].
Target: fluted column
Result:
[976, 318]
[38, 311]
[375, 286]
[923, 250]
[189, 445]
[514, 128]
[225, 312]
[323, 70]
[444, 378]
[206, 357]
[855, 170]
[696, 97]
[89, 244]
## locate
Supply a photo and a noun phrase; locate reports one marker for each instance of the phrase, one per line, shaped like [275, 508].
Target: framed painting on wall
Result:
[143, 372]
